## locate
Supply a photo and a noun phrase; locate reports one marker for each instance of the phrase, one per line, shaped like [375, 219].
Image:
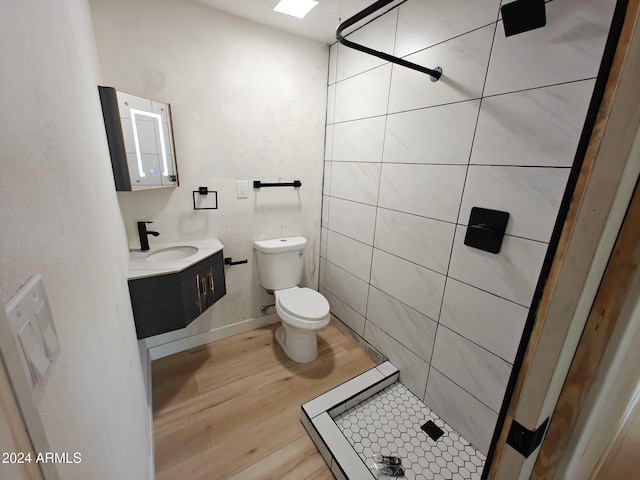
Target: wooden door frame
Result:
[584, 244]
[618, 289]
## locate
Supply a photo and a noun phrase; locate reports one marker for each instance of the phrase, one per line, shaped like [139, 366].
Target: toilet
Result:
[301, 310]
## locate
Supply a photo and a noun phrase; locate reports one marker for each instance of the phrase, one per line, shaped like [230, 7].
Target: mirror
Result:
[140, 139]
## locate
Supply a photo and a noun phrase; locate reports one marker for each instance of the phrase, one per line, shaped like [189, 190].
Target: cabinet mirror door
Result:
[140, 138]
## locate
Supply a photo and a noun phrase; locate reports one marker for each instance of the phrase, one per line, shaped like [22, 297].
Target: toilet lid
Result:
[304, 303]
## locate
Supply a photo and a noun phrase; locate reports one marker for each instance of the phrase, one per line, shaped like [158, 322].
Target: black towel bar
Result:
[229, 261]
[259, 184]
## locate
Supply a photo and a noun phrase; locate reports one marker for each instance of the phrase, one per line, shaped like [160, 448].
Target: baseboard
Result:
[175, 346]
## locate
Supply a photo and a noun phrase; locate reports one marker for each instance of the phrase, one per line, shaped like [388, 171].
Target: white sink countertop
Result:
[140, 266]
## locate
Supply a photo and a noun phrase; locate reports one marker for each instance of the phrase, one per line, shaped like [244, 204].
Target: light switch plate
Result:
[34, 332]
[242, 189]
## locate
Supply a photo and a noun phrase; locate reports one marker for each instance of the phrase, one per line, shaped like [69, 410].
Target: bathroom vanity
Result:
[173, 284]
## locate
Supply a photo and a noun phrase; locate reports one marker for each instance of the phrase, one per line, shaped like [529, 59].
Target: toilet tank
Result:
[280, 262]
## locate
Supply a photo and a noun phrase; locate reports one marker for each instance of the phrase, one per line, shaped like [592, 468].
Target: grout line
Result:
[465, 390]
[476, 344]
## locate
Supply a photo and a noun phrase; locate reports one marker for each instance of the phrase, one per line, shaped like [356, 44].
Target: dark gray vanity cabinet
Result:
[169, 302]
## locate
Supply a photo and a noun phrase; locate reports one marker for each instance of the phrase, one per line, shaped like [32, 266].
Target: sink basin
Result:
[172, 253]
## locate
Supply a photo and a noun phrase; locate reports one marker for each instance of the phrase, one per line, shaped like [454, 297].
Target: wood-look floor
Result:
[231, 409]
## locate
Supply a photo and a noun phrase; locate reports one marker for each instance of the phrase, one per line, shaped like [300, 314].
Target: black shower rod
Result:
[435, 73]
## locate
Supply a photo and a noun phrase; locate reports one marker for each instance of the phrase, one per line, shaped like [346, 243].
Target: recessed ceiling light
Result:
[295, 8]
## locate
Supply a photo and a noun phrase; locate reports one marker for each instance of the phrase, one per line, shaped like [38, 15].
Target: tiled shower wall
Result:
[407, 159]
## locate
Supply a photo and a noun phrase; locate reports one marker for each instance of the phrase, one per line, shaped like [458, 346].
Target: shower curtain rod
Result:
[435, 73]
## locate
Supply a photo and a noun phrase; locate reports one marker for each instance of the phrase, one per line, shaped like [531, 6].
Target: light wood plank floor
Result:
[231, 409]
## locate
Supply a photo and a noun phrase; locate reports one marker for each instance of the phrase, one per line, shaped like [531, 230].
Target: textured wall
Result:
[60, 218]
[406, 159]
[248, 103]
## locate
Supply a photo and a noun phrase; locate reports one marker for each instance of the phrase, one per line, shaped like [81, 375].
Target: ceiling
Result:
[320, 23]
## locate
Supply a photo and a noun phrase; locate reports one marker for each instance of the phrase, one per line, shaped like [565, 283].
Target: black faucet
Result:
[143, 232]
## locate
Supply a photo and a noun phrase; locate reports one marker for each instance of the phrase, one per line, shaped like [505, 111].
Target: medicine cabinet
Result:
[140, 139]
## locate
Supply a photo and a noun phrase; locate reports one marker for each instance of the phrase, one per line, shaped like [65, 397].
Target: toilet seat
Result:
[303, 307]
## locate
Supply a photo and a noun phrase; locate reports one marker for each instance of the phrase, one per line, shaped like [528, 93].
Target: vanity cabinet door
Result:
[169, 302]
[216, 282]
[206, 292]
[157, 304]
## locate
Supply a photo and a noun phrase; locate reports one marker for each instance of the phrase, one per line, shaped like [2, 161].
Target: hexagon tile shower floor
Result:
[389, 422]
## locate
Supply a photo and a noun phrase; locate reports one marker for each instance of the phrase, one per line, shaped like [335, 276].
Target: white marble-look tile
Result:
[328, 142]
[531, 195]
[356, 181]
[441, 134]
[422, 240]
[333, 64]
[428, 190]
[492, 322]
[359, 140]
[364, 95]
[342, 451]
[408, 326]
[511, 274]
[342, 392]
[466, 414]
[387, 368]
[346, 314]
[368, 393]
[325, 210]
[568, 48]
[331, 104]
[416, 286]
[315, 438]
[326, 179]
[347, 287]
[322, 277]
[423, 23]
[352, 255]
[323, 242]
[413, 370]
[337, 472]
[464, 63]
[479, 372]
[352, 219]
[378, 34]
[539, 127]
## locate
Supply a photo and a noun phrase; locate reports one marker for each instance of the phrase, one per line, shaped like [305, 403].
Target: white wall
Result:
[248, 103]
[59, 217]
[407, 159]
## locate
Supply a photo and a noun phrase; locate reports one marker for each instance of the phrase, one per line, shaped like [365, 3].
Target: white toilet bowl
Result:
[302, 312]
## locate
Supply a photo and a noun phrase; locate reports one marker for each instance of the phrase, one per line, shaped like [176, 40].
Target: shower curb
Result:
[317, 418]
